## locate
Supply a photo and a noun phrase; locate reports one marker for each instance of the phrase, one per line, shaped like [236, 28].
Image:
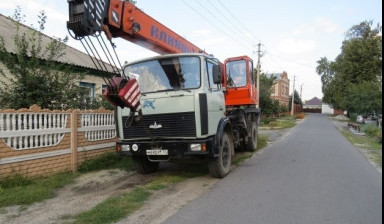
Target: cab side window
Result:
[210, 76]
[251, 72]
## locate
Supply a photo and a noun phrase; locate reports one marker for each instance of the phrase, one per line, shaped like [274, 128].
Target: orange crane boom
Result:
[125, 20]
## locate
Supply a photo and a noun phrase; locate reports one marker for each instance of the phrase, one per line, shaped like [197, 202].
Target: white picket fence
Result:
[98, 127]
[23, 131]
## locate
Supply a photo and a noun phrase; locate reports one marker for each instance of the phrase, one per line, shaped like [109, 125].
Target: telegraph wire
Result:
[238, 21]
[234, 27]
[245, 40]
[291, 60]
[214, 25]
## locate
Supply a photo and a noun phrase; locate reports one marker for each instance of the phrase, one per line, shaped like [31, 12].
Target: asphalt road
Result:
[311, 176]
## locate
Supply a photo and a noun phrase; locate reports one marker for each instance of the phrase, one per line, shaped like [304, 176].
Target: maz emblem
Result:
[149, 104]
[156, 126]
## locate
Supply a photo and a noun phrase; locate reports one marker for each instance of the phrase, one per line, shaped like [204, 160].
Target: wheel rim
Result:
[254, 136]
[225, 154]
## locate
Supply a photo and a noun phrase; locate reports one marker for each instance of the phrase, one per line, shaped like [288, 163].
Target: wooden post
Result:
[74, 157]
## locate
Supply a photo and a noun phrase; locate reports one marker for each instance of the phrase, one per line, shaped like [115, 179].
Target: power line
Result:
[293, 61]
[234, 26]
[214, 25]
[238, 21]
[210, 13]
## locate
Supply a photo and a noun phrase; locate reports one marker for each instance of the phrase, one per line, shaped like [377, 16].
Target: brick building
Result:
[281, 88]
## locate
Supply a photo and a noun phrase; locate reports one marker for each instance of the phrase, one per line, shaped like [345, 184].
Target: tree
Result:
[35, 75]
[357, 67]
[268, 105]
[363, 97]
[297, 100]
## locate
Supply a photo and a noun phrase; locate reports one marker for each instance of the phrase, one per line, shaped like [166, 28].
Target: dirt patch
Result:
[88, 191]
[166, 203]
[91, 189]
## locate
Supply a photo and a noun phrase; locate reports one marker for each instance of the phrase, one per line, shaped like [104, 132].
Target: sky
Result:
[294, 34]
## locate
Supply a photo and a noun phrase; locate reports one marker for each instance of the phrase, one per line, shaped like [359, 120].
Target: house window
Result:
[89, 91]
[103, 88]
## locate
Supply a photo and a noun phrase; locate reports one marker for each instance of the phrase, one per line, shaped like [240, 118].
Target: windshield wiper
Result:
[185, 90]
[230, 80]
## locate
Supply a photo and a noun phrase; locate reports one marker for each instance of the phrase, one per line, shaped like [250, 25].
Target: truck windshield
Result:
[237, 73]
[167, 74]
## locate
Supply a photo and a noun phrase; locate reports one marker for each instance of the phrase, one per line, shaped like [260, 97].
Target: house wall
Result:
[36, 142]
[326, 109]
[97, 81]
[281, 90]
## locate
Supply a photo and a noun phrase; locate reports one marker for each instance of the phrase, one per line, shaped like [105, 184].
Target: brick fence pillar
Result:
[74, 157]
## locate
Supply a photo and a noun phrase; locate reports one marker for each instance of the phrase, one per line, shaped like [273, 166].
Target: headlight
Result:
[195, 147]
[125, 148]
[198, 147]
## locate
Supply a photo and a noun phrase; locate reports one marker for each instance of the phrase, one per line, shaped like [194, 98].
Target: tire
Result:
[144, 166]
[219, 167]
[251, 145]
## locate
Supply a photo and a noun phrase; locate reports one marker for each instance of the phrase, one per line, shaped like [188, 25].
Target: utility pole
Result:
[258, 74]
[293, 97]
[301, 92]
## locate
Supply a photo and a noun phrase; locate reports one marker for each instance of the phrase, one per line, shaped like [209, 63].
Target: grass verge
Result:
[280, 124]
[19, 190]
[241, 157]
[106, 161]
[117, 208]
[369, 146]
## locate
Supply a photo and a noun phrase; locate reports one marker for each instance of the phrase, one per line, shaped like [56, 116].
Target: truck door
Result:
[215, 99]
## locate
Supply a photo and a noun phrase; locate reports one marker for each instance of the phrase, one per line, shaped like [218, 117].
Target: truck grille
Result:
[172, 125]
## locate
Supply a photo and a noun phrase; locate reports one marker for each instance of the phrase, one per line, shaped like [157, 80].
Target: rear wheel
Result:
[251, 145]
[144, 166]
[219, 167]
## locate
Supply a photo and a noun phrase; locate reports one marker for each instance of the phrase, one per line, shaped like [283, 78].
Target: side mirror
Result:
[217, 76]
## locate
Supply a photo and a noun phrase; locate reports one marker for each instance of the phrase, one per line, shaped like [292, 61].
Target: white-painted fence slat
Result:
[98, 127]
[22, 131]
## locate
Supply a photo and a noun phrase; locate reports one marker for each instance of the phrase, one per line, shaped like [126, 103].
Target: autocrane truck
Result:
[182, 104]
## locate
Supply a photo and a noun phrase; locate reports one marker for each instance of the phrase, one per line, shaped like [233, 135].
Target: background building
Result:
[281, 88]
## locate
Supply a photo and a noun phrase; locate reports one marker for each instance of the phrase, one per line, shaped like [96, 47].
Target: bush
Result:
[353, 117]
[370, 130]
[300, 116]
[380, 136]
[273, 124]
[268, 120]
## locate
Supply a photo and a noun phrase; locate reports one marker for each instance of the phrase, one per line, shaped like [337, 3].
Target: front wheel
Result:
[251, 145]
[144, 166]
[219, 167]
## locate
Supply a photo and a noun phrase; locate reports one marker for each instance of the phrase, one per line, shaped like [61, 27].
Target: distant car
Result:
[360, 119]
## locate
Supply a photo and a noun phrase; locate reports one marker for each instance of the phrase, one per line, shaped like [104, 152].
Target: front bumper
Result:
[177, 149]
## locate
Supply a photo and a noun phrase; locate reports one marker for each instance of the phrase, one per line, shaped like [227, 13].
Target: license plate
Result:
[157, 152]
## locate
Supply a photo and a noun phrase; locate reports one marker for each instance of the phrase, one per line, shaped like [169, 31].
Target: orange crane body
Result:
[123, 19]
